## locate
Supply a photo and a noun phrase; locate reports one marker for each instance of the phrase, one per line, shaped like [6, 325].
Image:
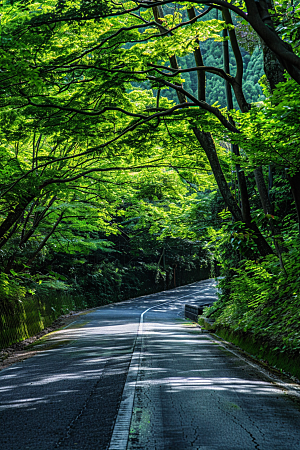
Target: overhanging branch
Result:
[215, 111]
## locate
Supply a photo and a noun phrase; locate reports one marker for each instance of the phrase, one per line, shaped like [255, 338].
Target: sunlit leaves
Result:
[270, 131]
[181, 42]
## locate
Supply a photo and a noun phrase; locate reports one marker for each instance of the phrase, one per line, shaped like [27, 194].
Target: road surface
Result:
[136, 375]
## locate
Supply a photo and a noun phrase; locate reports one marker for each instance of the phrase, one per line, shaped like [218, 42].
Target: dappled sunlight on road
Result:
[186, 386]
[206, 397]
[194, 383]
[81, 361]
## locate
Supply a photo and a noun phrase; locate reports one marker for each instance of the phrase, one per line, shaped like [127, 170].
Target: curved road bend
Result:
[135, 375]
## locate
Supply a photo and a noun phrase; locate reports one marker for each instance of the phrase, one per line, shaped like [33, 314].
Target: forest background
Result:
[145, 145]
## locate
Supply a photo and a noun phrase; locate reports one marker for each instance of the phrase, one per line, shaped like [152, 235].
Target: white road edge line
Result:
[119, 439]
[72, 323]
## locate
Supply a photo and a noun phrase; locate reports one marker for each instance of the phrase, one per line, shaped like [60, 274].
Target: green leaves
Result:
[95, 166]
[270, 131]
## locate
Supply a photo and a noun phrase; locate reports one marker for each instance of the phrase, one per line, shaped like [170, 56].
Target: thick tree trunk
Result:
[44, 241]
[199, 62]
[263, 192]
[260, 19]
[207, 143]
[12, 218]
[26, 236]
[158, 15]
[273, 69]
[295, 188]
[269, 209]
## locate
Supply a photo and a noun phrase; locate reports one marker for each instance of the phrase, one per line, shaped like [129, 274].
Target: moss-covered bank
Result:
[22, 319]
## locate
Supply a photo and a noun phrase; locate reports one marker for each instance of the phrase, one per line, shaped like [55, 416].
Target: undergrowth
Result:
[261, 298]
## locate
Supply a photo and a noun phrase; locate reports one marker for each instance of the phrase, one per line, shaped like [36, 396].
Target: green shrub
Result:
[263, 299]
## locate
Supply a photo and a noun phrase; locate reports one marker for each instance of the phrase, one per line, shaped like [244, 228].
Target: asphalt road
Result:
[135, 375]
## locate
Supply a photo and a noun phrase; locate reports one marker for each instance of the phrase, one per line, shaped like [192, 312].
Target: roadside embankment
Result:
[22, 319]
[260, 347]
[24, 349]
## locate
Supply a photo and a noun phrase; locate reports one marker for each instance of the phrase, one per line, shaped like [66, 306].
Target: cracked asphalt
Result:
[187, 391]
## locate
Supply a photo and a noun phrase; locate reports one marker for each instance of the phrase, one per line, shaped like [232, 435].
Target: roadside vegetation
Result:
[146, 145]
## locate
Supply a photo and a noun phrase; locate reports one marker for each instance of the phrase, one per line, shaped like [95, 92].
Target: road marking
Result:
[67, 326]
[119, 439]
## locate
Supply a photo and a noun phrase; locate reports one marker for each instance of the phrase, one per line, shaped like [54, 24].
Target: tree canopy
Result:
[143, 127]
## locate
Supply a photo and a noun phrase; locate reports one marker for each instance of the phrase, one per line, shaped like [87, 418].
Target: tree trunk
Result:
[273, 69]
[199, 63]
[261, 21]
[207, 143]
[269, 209]
[12, 218]
[44, 241]
[295, 188]
[237, 84]
[158, 15]
[263, 192]
[38, 219]
[245, 205]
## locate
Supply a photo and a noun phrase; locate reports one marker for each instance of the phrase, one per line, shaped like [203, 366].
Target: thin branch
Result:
[199, 103]
[86, 113]
[104, 169]
[111, 141]
[209, 69]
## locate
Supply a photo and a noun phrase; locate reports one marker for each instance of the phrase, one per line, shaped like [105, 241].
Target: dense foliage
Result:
[140, 141]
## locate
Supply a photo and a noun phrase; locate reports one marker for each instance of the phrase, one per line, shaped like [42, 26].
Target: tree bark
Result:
[269, 209]
[295, 188]
[245, 205]
[237, 83]
[235, 47]
[158, 15]
[207, 143]
[273, 69]
[38, 219]
[263, 192]
[12, 218]
[199, 62]
[259, 18]
[44, 241]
